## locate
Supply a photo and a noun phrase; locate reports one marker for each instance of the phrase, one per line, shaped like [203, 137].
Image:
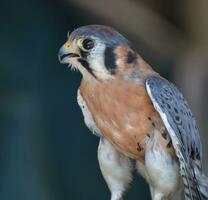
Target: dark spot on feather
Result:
[169, 107]
[198, 157]
[167, 98]
[179, 121]
[177, 118]
[166, 90]
[182, 111]
[139, 148]
[176, 110]
[169, 144]
[189, 127]
[190, 114]
[130, 57]
[192, 154]
[85, 64]
[110, 60]
[182, 140]
[187, 194]
[153, 124]
[165, 136]
[194, 189]
[149, 118]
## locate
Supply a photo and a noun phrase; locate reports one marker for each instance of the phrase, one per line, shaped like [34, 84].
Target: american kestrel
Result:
[137, 114]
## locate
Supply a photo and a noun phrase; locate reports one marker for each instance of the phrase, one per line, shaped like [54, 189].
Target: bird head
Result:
[95, 50]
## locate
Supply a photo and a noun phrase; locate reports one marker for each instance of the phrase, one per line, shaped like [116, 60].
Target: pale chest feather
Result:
[88, 118]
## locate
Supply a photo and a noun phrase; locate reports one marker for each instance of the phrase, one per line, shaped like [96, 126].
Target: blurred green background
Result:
[46, 152]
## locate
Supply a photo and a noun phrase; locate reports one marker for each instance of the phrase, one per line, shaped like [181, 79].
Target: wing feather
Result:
[181, 125]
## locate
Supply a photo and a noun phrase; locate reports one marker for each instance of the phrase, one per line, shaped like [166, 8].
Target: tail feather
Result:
[190, 187]
[202, 182]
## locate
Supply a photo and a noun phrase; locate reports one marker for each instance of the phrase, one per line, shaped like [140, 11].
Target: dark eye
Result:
[87, 44]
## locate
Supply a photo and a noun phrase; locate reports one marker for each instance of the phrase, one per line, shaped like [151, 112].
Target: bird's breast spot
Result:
[88, 119]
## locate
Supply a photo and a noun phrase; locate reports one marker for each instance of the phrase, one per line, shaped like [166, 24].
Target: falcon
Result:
[142, 120]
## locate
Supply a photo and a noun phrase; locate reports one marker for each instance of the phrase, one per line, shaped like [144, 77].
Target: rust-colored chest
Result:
[123, 113]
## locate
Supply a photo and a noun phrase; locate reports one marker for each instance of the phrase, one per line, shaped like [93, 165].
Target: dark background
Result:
[46, 152]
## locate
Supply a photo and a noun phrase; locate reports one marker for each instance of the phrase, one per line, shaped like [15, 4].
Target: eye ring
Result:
[86, 44]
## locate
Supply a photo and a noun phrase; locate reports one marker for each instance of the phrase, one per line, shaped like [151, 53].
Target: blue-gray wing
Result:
[181, 126]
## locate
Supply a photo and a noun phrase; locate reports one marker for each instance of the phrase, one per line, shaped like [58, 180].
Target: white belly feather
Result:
[88, 119]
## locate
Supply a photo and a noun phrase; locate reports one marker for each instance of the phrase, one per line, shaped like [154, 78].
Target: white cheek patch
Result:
[96, 61]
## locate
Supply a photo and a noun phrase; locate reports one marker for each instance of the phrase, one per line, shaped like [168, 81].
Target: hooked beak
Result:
[66, 52]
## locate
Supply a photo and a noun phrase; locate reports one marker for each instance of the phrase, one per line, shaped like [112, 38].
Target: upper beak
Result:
[66, 52]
